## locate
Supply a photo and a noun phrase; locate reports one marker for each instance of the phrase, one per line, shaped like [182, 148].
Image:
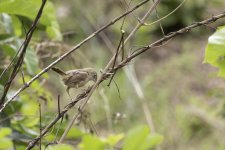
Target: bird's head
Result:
[93, 76]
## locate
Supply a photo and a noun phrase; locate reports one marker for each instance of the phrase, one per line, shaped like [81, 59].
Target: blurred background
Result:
[169, 88]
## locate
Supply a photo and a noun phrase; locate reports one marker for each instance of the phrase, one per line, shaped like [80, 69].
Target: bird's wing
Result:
[76, 76]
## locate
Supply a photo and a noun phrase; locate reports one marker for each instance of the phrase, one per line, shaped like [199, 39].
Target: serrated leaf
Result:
[215, 51]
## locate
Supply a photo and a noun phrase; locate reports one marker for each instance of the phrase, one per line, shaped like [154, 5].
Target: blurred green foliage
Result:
[6, 143]
[215, 51]
[185, 98]
[29, 11]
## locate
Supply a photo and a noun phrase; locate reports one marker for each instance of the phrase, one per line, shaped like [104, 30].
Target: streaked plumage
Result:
[76, 78]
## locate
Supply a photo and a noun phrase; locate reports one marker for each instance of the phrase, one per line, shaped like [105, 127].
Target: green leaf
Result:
[141, 139]
[31, 122]
[4, 132]
[29, 105]
[7, 23]
[151, 141]
[215, 51]
[135, 138]
[17, 25]
[31, 61]
[5, 36]
[90, 142]
[60, 147]
[25, 130]
[14, 107]
[30, 9]
[8, 49]
[54, 33]
[74, 133]
[113, 139]
[6, 143]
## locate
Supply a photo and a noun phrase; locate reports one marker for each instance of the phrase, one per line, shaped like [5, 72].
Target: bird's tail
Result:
[59, 71]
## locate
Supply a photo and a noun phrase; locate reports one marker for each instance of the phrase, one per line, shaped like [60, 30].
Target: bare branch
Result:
[121, 43]
[60, 115]
[160, 42]
[86, 94]
[106, 71]
[168, 37]
[22, 54]
[70, 51]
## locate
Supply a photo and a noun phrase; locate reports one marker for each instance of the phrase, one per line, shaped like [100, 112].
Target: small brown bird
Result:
[76, 78]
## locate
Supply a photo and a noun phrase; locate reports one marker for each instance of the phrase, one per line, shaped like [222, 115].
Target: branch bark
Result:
[103, 76]
[113, 59]
[69, 52]
[23, 49]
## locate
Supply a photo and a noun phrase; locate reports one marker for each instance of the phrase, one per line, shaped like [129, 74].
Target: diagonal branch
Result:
[23, 49]
[110, 63]
[87, 93]
[169, 36]
[58, 117]
[160, 42]
[70, 51]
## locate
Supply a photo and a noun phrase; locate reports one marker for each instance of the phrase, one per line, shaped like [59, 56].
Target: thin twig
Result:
[102, 78]
[132, 77]
[118, 90]
[128, 59]
[58, 117]
[58, 100]
[70, 51]
[106, 72]
[159, 20]
[23, 78]
[116, 55]
[160, 23]
[22, 54]
[170, 36]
